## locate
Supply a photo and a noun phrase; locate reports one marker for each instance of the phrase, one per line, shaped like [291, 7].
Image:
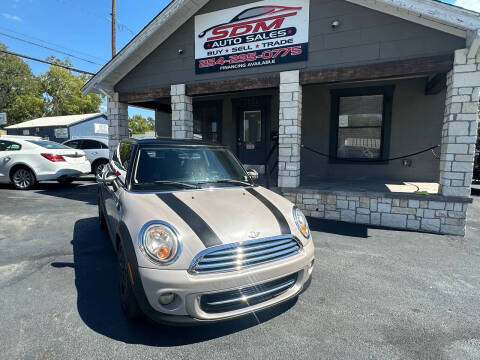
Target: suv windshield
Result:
[187, 167]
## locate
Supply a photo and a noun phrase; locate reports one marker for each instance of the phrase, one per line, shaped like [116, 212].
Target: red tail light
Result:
[53, 157]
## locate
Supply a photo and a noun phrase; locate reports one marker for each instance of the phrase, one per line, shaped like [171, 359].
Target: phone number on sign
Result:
[253, 56]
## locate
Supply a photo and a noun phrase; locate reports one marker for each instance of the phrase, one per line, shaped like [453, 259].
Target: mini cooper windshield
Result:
[157, 168]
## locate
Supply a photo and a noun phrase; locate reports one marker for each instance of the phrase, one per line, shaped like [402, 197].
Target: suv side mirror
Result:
[253, 174]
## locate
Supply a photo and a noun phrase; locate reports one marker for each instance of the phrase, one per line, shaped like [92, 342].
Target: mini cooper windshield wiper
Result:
[173, 183]
[226, 181]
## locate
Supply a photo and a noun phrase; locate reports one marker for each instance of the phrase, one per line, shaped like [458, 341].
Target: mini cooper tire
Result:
[128, 301]
[101, 217]
[23, 178]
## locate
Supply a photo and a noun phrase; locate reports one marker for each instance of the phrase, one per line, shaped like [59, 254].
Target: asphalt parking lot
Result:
[376, 293]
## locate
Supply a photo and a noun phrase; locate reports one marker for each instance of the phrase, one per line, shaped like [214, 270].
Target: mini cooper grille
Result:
[243, 298]
[239, 256]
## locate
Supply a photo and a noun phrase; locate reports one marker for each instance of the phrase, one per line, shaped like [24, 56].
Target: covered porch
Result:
[372, 168]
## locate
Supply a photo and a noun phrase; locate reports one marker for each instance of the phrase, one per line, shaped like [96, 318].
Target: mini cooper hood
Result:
[227, 215]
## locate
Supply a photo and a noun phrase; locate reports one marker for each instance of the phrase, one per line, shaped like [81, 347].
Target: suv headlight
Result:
[160, 242]
[301, 222]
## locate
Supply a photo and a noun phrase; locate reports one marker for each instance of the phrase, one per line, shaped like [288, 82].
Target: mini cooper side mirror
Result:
[253, 174]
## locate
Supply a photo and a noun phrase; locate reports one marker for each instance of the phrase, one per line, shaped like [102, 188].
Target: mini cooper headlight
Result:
[301, 222]
[160, 242]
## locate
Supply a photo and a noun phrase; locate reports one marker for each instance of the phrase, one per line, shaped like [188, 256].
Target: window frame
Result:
[217, 105]
[98, 145]
[11, 143]
[335, 95]
[79, 141]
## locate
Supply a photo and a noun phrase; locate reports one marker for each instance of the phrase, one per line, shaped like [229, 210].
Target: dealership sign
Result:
[257, 34]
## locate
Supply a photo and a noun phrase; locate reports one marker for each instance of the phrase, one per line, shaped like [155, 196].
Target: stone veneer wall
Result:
[431, 213]
[182, 113]
[459, 133]
[289, 129]
[117, 115]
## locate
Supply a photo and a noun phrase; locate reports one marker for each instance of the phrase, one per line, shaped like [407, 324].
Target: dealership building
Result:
[362, 111]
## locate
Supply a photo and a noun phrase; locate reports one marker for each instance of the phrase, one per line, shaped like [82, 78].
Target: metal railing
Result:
[270, 170]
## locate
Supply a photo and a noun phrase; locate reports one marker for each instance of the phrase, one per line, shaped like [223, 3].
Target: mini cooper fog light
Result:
[166, 299]
[301, 222]
[160, 242]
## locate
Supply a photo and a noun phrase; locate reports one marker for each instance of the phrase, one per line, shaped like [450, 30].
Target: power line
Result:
[46, 62]
[120, 25]
[53, 44]
[49, 48]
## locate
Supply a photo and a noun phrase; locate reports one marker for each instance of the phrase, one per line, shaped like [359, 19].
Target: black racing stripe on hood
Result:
[282, 222]
[196, 223]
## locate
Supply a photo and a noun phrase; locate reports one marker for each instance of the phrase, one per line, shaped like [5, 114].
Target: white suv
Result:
[96, 150]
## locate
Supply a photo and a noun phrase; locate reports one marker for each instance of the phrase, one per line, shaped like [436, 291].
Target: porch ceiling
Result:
[376, 71]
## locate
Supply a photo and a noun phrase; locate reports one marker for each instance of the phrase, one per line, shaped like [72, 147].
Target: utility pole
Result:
[114, 28]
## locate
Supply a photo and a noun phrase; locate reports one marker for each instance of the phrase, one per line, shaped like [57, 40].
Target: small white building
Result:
[61, 128]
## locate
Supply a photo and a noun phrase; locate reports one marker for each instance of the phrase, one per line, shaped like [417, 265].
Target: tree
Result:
[62, 91]
[140, 125]
[20, 91]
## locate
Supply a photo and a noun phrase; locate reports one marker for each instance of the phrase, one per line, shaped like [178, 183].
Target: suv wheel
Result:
[98, 168]
[23, 178]
[127, 297]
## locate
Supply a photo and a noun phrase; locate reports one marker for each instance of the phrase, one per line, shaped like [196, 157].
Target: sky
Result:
[83, 29]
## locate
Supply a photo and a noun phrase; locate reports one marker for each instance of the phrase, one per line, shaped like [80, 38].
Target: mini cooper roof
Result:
[171, 142]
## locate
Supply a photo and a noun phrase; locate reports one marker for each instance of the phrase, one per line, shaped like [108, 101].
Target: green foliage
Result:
[139, 125]
[25, 107]
[57, 92]
[20, 90]
[62, 91]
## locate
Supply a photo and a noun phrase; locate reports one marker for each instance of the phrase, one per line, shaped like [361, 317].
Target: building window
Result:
[361, 120]
[207, 124]
[252, 126]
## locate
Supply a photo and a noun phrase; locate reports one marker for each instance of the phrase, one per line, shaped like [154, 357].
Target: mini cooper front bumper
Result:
[212, 297]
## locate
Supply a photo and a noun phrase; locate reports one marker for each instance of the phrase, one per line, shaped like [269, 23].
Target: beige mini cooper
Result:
[197, 241]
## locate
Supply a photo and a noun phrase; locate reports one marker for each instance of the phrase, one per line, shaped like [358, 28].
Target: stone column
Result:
[459, 132]
[182, 113]
[117, 115]
[290, 129]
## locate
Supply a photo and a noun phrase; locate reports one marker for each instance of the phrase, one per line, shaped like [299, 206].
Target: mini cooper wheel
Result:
[23, 178]
[127, 297]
